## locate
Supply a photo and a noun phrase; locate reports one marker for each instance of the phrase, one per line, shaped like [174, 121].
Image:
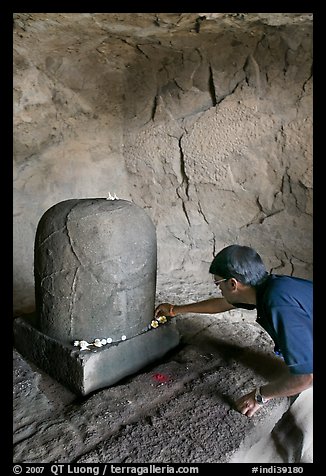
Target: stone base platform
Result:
[86, 371]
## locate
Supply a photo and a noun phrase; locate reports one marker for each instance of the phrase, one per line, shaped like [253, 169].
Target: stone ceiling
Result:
[144, 25]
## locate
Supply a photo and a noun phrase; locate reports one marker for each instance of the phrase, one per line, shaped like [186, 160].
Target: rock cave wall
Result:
[204, 120]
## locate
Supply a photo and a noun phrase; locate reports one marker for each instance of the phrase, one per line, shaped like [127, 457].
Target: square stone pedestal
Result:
[89, 370]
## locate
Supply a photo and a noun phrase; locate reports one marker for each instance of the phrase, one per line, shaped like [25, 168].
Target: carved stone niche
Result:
[95, 264]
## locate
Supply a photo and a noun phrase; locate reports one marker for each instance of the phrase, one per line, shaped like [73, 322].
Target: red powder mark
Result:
[162, 378]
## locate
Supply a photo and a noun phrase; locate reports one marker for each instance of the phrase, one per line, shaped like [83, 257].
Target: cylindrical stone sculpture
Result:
[95, 270]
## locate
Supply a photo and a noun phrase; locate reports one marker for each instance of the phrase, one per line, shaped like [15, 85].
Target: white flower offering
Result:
[84, 345]
[157, 321]
[162, 319]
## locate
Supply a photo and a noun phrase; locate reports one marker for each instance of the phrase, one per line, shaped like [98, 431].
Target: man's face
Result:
[233, 292]
[220, 283]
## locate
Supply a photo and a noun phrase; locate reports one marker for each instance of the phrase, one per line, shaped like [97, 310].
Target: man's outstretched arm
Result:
[209, 306]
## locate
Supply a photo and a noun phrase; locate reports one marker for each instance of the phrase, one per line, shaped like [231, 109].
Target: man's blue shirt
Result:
[285, 311]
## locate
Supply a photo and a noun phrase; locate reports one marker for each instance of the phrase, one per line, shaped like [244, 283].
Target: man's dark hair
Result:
[240, 262]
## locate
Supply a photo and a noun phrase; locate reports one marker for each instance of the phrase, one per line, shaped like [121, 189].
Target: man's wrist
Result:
[263, 394]
[259, 397]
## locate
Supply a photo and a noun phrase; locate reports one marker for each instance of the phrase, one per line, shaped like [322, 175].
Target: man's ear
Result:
[234, 283]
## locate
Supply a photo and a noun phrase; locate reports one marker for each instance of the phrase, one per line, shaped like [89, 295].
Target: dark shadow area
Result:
[288, 438]
[265, 364]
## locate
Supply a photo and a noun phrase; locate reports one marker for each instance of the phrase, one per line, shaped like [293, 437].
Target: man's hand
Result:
[247, 404]
[163, 309]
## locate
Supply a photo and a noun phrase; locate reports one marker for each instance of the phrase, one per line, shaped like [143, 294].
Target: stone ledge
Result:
[86, 371]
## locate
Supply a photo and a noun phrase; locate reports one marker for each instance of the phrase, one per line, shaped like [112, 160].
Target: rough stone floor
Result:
[178, 410]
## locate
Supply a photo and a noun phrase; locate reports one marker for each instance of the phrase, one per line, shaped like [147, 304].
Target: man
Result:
[284, 310]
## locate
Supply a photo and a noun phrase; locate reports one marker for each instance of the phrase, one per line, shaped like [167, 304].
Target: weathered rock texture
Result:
[84, 371]
[202, 119]
[187, 418]
[95, 270]
[95, 278]
[205, 121]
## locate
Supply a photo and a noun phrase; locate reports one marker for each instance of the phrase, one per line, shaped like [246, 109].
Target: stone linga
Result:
[95, 281]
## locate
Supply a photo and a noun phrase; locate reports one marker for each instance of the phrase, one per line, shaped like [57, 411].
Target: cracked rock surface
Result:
[202, 119]
[185, 415]
[205, 121]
